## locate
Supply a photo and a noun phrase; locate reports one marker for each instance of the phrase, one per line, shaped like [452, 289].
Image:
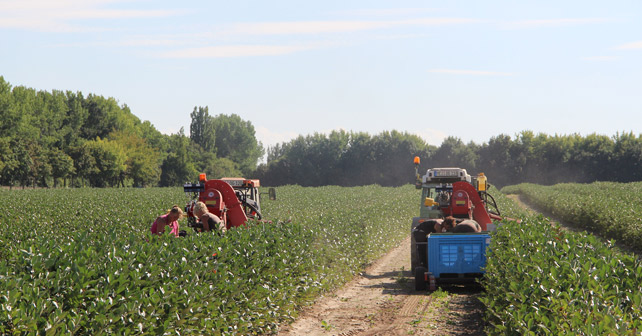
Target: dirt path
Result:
[519, 199]
[382, 301]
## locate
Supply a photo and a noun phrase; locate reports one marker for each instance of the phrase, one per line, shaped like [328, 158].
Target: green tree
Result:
[9, 116]
[41, 169]
[627, 158]
[201, 129]
[178, 167]
[142, 160]
[22, 122]
[153, 137]
[45, 130]
[62, 166]
[395, 153]
[49, 114]
[593, 156]
[359, 162]
[222, 167]
[84, 164]
[346, 159]
[76, 118]
[102, 117]
[235, 140]
[24, 172]
[8, 162]
[454, 153]
[110, 161]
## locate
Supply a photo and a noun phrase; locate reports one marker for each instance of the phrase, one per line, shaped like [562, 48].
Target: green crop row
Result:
[612, 210]
[542, 279]
[83, 262]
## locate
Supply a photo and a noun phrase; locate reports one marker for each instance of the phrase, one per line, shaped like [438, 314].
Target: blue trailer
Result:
[453, 258]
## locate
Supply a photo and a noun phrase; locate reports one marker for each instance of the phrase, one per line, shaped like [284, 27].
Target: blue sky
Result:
[470, 69]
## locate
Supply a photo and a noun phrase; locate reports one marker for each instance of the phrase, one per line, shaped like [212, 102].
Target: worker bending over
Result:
[209, 220]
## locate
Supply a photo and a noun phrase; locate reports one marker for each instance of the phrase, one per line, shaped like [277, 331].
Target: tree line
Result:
[57, 138]
[349, 158]
[50, 139]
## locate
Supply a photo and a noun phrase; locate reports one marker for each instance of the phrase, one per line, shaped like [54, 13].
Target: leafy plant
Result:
[541, 279]
[82, 261]
[612, 210]
[325, 325]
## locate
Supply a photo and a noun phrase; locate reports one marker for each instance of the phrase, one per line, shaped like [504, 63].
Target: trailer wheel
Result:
[420, 278]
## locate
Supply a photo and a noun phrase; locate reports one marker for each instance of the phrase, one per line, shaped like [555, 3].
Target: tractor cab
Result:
[437, 192]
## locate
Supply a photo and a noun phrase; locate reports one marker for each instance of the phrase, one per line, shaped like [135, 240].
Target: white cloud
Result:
[37, 24]
[630, 46]
[400, 36]
[546, 23]
[438, 21]
[305, 27]
[57, 16]
[470, 72]
[388, 11]
[600, 58]
[236, 51]
[318, 27]
[112, 14]
[286, 28]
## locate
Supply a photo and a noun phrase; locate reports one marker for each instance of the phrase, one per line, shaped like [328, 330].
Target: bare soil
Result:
[382, 301]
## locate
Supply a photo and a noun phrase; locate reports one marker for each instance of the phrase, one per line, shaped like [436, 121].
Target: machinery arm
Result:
[235, 214]
[479, 211]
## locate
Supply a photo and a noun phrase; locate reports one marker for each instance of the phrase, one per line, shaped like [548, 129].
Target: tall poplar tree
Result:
[201, 129]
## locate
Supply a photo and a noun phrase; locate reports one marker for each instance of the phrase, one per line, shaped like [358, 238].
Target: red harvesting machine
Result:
[233, 200]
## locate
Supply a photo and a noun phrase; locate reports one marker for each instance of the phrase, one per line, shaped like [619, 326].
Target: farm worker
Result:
[467, 225]
[439, 227]
[169, 219]
[446, 225]
[209, 220]
[451, 224]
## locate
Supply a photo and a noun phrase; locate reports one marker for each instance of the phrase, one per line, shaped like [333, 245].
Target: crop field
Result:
[82, 261]
[613, 210]
[542, 279]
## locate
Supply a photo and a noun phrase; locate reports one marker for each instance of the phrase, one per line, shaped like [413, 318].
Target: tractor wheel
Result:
[420, 278]
[414, 262]
[414, 256]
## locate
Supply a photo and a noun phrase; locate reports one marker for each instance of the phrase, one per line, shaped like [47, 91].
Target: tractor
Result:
[438, 257]
[233, 200]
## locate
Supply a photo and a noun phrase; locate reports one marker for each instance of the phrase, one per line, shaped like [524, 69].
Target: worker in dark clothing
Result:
[467, 225]
[447, 225]
[451, 224]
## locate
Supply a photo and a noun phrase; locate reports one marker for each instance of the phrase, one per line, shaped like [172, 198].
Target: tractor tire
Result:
[414, 256]
[420, 278]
